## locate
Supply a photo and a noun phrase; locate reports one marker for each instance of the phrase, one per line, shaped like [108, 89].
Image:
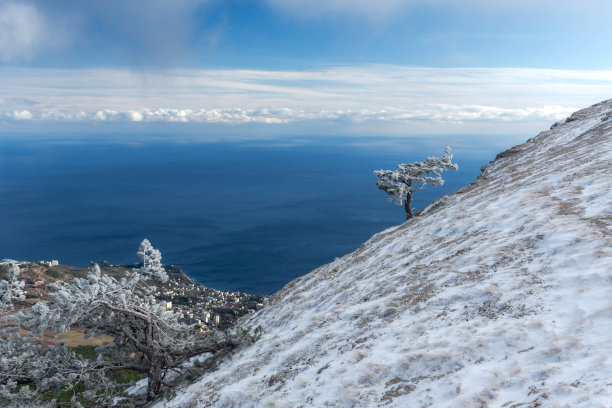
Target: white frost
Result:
[497, 295]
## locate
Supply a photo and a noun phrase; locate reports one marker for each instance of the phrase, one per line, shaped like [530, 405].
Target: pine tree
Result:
[414, 176]
[147, 338]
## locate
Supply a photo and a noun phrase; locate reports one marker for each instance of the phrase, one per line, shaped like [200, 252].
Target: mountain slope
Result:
[496, 295]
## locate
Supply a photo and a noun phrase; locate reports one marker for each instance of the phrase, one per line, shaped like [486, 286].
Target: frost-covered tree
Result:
[26, 367]
[10, 290]
[147, 338]
[151, 262]
[410, 177]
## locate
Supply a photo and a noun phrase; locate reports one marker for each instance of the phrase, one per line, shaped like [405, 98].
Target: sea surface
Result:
[243, 215]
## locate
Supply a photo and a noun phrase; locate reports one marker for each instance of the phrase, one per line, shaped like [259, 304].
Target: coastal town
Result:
[195, 303]
[204, 306]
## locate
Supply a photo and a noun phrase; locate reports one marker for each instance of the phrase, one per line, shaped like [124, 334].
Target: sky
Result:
[383, 67]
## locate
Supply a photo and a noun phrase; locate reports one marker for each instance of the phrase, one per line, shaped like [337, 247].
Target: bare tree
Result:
[414, 176]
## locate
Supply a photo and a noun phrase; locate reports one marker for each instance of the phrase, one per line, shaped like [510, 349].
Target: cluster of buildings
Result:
[208, 308]
[54, 262]
[7, 261]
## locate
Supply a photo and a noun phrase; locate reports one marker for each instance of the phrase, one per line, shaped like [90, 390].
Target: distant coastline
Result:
[196, 304]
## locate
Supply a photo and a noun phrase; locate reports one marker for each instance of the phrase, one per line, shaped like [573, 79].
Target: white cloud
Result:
[406, 98]
[99, 115]
[145, 32]
[136, 32]
[21, 31]
[25, 32]
[22, 115]
[135, 116]
[441, 113]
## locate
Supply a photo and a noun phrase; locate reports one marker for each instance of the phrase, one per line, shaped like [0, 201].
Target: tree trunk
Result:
[407, 207]
[155, 379]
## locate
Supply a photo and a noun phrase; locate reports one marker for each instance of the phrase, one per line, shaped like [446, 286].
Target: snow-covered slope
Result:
[497, 295]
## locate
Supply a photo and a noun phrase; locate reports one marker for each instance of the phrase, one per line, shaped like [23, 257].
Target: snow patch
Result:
[496, 295]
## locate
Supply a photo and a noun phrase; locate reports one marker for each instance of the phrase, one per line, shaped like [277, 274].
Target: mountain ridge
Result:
[495, 295]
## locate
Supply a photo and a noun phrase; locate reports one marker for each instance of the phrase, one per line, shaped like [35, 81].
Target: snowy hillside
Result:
[498, 295]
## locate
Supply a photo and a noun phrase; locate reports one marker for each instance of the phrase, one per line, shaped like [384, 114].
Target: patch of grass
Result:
[78, 272]
[53, 273]
[87, 352]
[65, 395]
[126, 376]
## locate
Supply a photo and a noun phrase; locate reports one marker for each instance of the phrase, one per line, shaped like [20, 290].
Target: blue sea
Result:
[243, 215]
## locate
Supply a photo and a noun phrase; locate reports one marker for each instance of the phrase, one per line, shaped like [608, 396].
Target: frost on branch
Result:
[414, 176]
[151, 262]
[10, 290]
[22, 358]
[148, 339]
